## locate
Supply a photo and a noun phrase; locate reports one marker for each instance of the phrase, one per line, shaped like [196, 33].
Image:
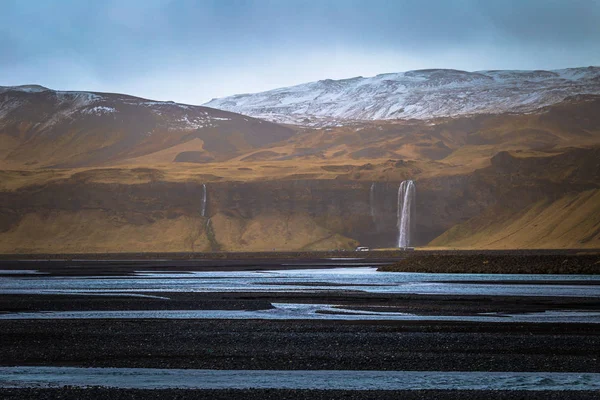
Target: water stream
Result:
[406, 212]
[150, 378]
[203, 209]
[372, 201]
[298, 311]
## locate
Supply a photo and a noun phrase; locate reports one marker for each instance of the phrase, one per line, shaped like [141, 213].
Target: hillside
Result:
[79, 173]
[46, 128]
[421, 94]
[572, 221]
[460, 144]
[546, 201]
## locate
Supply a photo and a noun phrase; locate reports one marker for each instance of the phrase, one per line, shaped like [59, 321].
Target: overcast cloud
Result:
[191, 51]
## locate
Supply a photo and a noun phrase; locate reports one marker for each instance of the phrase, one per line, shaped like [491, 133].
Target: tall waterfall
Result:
[372, 200]
[203, 209]
[406, 212]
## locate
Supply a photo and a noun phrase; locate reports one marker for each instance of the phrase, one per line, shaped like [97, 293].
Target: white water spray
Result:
[405, 214]
[203, 210]
[372, 200]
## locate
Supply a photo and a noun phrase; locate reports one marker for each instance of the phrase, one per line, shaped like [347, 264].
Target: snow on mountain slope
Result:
[68, 128]
[69, 105]
[418, 94]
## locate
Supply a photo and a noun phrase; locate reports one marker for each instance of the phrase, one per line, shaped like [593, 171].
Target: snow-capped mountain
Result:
[418, 94]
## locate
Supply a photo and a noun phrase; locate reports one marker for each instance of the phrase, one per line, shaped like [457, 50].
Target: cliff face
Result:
[571, 221]
[243, 215]
[545, 202]
[158, 215]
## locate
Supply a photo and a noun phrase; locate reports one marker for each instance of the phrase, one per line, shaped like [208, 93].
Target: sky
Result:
[190, 51]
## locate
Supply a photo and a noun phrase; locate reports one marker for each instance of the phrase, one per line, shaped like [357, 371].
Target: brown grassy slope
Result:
[98, 231]
[167, 156]
[377, 151]
[436, 148]
[275, 230]
[230, 171]
[572, 221]
[461, 145]
[79, 129]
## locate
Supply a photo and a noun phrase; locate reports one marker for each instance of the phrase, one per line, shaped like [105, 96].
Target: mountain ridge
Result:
[420, 94]
[49, 128]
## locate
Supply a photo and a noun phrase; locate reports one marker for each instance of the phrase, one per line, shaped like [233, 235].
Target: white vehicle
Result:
[362, 248]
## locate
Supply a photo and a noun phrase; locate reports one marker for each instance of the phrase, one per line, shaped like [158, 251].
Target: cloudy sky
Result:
[192, 50]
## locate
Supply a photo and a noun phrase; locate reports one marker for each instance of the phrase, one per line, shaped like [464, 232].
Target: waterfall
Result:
[203, 210]
[372, 201]
[405, 213]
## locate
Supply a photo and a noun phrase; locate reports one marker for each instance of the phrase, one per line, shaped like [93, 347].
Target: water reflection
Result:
[364, 279]
[148, 378]
[293, 311]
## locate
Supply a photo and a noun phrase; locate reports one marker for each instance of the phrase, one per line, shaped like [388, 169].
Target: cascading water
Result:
[203, 209]
[406, 214]
[372, 201]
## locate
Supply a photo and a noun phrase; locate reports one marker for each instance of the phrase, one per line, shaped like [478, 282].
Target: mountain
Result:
[461, 143]
[40, 127]
[421, 94]
[98, 172]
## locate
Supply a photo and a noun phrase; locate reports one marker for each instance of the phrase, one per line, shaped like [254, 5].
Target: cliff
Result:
[80, 214]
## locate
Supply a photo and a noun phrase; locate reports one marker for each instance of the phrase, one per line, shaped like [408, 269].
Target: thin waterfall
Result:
[405, 213]
[372, 201]
[203, 210]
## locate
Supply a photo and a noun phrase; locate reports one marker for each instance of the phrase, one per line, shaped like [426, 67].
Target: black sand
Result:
[498, 263]
[298, 345]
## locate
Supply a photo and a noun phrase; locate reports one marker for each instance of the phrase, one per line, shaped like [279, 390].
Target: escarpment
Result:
[94, 172]
[281, 214]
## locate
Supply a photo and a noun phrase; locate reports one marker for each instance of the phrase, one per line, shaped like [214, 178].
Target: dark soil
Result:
[285, 255]
[299, 345]
[491, 263]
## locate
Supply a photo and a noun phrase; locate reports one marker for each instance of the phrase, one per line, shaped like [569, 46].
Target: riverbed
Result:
[340, 315]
